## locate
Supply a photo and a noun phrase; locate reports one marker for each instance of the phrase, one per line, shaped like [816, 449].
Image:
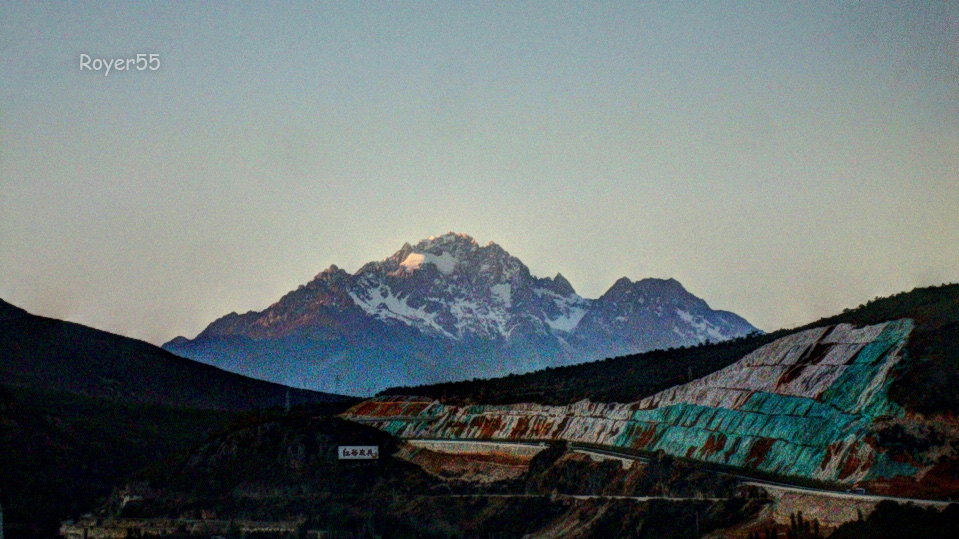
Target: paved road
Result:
[845, 495]
[477, 443]
[747, 480]
[580, 497]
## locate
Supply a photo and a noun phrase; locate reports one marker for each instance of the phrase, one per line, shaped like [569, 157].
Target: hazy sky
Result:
[781, 162]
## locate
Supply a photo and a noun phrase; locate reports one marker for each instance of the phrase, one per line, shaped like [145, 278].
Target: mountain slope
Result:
[848, 400]
[806, 405]
[81, 408]
[8, 311]
[925, 387]
[56, 355]
[444, 309]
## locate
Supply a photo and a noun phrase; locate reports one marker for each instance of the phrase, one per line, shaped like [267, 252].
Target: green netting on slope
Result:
[776, 433]
[847, 392]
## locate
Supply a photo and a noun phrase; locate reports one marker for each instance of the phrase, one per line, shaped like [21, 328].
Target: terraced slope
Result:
[809, 405]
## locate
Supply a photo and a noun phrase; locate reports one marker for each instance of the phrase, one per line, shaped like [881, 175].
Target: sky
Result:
[781, 161]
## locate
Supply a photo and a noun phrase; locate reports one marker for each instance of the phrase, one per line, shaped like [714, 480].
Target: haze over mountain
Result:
[444, 309]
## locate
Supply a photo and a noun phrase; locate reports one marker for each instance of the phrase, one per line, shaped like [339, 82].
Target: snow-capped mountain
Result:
[448, 308]
[450, 287]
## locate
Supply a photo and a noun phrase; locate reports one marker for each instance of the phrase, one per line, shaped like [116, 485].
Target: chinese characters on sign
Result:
[359, 452]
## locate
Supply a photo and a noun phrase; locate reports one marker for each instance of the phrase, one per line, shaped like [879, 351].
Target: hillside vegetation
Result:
[63, 452]
[927, 384]
[620, 379]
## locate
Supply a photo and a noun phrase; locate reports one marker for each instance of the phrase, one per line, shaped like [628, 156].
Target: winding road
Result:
[628, 458]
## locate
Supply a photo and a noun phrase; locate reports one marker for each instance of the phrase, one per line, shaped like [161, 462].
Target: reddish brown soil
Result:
[758, 451]
[714, 444]
[813, 356]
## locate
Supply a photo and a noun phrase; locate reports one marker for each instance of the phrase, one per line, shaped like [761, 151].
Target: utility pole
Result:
[287, 408]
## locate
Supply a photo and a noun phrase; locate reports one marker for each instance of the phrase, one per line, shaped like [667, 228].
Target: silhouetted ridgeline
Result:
[80, 409]
[57, 355]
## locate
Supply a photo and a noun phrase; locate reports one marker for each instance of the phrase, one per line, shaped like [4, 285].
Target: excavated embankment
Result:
[806, 405]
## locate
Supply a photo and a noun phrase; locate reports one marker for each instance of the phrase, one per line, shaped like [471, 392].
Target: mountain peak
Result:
[621, 285]
[650, 286]
[330, 274]
[563, 285]
[446, 241]
[449, 294]
[662, 286]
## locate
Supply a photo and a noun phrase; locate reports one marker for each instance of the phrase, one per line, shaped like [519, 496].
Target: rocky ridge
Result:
[447, 308]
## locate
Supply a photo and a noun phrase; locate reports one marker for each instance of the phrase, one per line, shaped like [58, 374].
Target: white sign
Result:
[359, 452]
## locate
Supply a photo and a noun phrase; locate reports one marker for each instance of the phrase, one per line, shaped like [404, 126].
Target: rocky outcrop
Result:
[806, 405]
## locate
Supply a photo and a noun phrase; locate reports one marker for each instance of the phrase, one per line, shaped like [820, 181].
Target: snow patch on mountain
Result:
[572, 308]
[475, 317]
[568, 321]
[383, 304]
[703, 328]
[413, 262]
[445, 262]
[503, 291]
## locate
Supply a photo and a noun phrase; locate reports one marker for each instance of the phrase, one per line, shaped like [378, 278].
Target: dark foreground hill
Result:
[80, 409]
[39, 352]
[293, 480]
